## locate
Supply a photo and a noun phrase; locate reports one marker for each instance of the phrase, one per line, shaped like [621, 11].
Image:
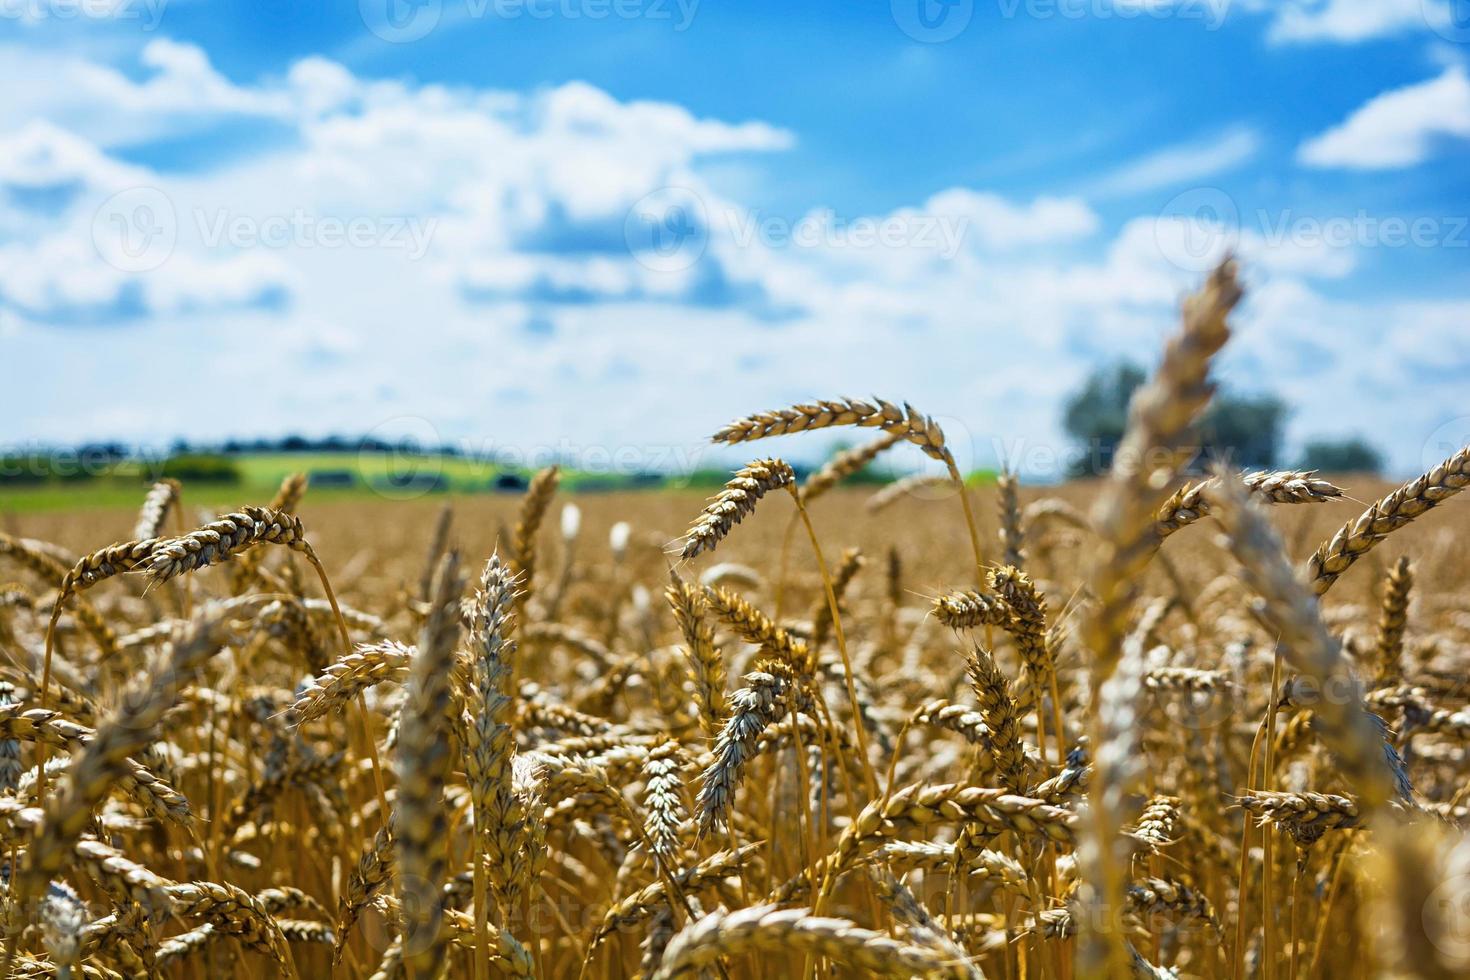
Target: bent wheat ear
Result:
[1190, 503]
[223, 539]
[919, 429]
[734, 503]
[1358, 537]
[233, 912]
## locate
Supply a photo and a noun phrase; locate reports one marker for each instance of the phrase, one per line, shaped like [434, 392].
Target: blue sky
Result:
[446, 217]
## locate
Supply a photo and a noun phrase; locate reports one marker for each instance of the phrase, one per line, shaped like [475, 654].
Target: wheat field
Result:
[1162, 724]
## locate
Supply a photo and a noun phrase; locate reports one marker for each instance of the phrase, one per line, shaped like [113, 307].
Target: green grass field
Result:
[344, 475]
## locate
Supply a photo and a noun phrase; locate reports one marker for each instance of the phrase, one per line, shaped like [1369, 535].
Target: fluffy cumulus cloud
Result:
[1397, 129]
[556, 269]
[1312, 21]
[1348, 21]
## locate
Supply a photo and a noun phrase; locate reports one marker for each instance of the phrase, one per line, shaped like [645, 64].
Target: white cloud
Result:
[1397, 128]
[1182, 163]
[180, 90]
[1309, 21]
[1336, 21]
[1352, 20]
[994, 223]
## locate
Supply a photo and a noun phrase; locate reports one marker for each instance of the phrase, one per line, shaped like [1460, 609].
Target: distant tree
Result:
[201, 468]
[1352, 455]
[1098, 413]
[1244, 430]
